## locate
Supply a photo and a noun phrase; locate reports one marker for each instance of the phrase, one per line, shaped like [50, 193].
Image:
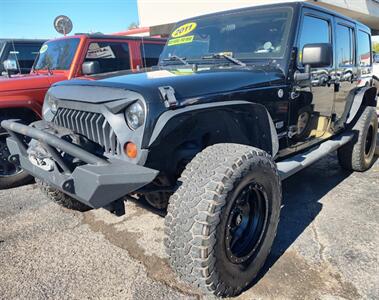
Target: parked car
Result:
[22, 97]
[20, 52]
[212, 133]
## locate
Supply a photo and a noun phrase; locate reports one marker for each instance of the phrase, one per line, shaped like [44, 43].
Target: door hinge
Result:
[168, 95]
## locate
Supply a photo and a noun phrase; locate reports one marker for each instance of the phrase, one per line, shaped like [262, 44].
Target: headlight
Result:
[50, 107]
[135, 115]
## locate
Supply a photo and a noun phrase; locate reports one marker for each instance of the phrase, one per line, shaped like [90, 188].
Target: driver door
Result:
[312, 108]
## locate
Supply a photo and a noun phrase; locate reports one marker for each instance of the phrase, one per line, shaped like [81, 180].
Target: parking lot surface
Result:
[326, 247]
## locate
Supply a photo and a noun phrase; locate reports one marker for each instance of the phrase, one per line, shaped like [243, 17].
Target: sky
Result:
[34, 18]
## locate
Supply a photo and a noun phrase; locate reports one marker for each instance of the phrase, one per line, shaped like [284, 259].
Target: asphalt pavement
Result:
[326, 247]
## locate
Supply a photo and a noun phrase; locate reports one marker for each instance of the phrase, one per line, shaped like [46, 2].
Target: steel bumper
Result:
[96, 183]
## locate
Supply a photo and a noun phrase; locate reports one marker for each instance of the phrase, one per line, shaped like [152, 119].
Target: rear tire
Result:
[222, 220]
[358, 155]
[10, 175]
[60, 197]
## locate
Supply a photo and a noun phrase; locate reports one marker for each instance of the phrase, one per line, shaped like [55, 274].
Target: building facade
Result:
[153, 13]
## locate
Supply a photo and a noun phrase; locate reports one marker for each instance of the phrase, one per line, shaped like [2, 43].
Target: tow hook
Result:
[46, 164]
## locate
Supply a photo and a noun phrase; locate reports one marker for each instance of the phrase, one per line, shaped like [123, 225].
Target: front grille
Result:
[93, 126]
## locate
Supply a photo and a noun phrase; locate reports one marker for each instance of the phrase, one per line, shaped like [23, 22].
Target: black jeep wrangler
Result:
[240, 101]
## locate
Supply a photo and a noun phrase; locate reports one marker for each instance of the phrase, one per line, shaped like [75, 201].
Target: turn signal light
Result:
[130, 150]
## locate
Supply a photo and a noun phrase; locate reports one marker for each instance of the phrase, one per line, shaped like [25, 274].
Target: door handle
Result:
[336, 87]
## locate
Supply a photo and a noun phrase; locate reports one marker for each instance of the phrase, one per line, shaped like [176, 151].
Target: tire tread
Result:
[194, 212]
[60, 197]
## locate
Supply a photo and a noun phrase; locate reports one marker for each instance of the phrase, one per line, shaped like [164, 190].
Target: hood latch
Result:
[168, 95]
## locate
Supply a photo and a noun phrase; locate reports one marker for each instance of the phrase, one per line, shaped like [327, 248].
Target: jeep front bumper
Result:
[96, 182]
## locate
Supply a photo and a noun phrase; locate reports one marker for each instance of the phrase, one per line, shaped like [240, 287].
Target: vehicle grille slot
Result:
[94, 126]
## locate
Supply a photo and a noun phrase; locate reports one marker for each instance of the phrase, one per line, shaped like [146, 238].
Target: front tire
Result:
[358, 155]
[222, 220]
[10, 175]
[60, 197]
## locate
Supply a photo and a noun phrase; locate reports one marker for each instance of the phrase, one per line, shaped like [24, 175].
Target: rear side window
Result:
[150, 53]
[344, 46]
[25, 54]
[112, 56]
[364, 49]
[313, 30]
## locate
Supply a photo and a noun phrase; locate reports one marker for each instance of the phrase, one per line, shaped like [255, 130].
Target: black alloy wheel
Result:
[246, 223]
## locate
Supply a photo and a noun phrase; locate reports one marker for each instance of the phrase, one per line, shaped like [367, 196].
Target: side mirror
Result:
[90, 67]
[314, 56]
[317, 55]
[10, 65]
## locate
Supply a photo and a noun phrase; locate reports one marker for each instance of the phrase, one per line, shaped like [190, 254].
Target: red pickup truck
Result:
[21, 96]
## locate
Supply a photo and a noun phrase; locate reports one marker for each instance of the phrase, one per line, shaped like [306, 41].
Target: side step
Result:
[294, 164]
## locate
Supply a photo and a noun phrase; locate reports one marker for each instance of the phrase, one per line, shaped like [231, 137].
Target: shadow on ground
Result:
[301, 203]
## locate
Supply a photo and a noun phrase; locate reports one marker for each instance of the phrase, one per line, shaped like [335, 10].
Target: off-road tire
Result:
[60, 197]
[15, 180]
[196, 217]
[354, 156]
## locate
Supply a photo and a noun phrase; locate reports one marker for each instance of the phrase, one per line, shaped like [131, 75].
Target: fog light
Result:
[130, 150]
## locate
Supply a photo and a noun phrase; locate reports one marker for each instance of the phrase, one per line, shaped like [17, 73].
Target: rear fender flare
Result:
[359, 97]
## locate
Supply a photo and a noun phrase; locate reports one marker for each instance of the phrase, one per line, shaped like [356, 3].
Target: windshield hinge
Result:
[168, 95]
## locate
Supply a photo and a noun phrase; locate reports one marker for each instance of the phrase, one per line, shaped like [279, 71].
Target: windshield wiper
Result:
[226, 56]
[177, 58]
[49, 71]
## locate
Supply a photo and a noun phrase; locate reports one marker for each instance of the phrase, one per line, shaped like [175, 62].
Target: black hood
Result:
[188, 85]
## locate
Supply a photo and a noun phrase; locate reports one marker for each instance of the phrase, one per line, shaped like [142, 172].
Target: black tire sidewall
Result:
[370, 121]
[15, 180]
[352, 155]
[232, 274]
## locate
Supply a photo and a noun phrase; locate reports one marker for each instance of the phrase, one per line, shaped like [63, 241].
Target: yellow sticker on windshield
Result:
[43, 49]
[184, 29]
[179, 41]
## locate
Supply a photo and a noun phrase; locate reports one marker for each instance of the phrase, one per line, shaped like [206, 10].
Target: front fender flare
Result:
[262, 118]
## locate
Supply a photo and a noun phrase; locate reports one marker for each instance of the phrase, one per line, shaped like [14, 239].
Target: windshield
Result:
[246, 34]
[57, 55]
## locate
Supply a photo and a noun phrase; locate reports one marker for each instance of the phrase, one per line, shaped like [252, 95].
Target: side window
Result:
[344, 46]
[150, 53]
[313, 30]
[112, 56]
[25, 54]
[364, 49]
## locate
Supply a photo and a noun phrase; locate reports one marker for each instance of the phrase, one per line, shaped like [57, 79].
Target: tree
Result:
[133, 25]
[375, 47]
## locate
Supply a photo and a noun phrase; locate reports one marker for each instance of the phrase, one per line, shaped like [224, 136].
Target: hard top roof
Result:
[115, 37]
[23, 40]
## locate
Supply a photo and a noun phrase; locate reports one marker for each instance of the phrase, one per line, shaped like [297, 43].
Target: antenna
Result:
[63, 24]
